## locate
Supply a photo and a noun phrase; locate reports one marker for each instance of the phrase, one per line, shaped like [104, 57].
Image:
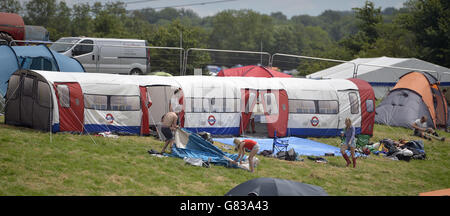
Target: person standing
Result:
[169, 125]
[349, 142]
[251, 146]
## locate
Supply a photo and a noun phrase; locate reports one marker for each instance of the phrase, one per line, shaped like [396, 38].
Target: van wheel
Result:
[7, 38]
[135, 71]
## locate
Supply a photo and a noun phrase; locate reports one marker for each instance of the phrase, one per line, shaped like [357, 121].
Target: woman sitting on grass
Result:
[251, 146]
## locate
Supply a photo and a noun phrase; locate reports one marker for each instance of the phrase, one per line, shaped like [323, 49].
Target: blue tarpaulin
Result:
[301, 146]
[13, 58]
[194, 146]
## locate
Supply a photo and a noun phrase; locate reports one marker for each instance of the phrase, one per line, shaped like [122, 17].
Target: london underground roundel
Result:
[211, 120]
[314, 121]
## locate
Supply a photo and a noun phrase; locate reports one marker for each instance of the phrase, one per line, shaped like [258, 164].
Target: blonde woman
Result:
[349, 142]
[250, 145]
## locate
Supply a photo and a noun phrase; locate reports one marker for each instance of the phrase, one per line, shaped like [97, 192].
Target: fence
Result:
[163, 58]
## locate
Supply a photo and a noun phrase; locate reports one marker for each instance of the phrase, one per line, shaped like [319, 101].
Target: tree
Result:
[429, 21]
[369, 17]
[82, 24]
[61, 23]
[40, 12]
[10, 6]
[169, 36]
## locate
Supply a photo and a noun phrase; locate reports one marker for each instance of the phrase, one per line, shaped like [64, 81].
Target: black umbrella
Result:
[275, 187]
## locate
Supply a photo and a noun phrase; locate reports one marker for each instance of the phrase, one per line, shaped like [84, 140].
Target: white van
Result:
[106, 55]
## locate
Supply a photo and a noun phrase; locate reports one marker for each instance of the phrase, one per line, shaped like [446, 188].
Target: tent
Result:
[415, 95]
[252, 71]
[191, 145]
[381, 79]
[96, 102]
[275, 187]
[13, 58]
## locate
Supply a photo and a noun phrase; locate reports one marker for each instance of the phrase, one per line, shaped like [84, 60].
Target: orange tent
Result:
[415, 95]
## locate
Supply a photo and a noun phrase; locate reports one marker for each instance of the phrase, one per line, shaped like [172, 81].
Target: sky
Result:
[287, 7]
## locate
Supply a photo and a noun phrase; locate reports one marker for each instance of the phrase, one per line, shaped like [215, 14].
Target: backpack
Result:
[291, 155]
[282, 155]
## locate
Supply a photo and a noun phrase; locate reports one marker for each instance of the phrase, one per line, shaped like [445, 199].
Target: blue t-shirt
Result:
[349, 134]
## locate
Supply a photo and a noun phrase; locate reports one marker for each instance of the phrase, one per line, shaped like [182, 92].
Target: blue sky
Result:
[287, 7]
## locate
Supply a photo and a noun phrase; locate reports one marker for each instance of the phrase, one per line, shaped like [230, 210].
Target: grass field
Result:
[35, 163]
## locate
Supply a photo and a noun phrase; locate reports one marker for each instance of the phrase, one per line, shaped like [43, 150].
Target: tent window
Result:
[13, 86]
[28, 87]
[251, 100]
[354, 105]
[197, 105]
[44, 96]
[369, 106]
[63, 95]
[206, 105]
[302, 106]
[230, 105]
[217, 105]
[97, 102]
[328, 107]
[125, 103]
[271, 103]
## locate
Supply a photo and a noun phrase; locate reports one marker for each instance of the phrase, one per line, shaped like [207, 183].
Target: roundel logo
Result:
[314, 121]
[109, 117]
[211, 120]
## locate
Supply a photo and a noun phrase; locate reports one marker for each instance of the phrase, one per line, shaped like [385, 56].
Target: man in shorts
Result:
[420, 128]
[169, 124]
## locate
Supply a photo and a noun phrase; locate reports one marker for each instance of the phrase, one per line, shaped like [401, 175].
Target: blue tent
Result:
[13, 58]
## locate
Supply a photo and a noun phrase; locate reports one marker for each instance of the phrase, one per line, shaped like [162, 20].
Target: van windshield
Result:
[64, 44]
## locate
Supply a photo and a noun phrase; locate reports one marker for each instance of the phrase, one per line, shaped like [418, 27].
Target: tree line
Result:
[420, 29]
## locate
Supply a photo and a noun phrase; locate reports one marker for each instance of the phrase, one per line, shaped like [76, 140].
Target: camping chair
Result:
[279, 144]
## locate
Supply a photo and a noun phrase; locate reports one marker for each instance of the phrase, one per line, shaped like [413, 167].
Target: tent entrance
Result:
[70, 106]
[264, 111]
[161, 98]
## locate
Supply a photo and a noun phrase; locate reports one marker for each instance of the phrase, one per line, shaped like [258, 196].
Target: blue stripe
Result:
[94, 128]
[390, 84]
[317, 132]
[215, 130]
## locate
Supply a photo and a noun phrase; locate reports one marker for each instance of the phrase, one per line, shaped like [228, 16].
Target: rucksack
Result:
[291, 155]
[282, 155]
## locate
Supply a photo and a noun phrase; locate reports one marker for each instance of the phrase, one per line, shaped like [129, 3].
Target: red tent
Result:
[252, 71]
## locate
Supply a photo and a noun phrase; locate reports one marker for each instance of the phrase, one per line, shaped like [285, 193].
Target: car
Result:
[106, 55]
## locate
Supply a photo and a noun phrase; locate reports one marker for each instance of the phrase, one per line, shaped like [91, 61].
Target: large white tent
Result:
[384, 78]
[94, 102]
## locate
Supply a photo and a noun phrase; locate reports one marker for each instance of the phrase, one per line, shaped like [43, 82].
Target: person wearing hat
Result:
[249, 145]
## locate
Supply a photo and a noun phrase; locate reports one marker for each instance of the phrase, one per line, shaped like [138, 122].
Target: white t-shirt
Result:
[420, 124]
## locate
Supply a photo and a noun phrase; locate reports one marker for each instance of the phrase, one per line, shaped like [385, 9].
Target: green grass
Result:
[35, 163]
